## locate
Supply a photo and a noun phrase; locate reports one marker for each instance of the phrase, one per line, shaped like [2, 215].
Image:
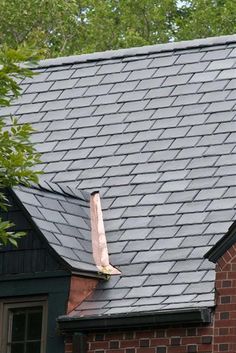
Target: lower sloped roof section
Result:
[62, 215]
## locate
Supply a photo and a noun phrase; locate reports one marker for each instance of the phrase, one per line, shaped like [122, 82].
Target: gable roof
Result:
[154, 130]
[62, 215]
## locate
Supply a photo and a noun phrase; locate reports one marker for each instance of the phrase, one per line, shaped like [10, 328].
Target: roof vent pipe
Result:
[99, 243]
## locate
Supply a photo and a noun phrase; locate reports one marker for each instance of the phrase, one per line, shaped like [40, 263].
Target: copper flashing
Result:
[99, 243]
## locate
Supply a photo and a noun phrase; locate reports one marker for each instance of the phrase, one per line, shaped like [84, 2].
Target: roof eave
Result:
[222, 245]
[133, 320]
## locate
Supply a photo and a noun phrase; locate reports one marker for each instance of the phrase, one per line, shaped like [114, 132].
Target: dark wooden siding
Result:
[32, 254]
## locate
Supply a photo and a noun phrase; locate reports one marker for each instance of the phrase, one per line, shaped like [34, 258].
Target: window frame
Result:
[16, 303]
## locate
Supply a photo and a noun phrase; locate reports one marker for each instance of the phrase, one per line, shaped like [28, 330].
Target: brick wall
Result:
[225, 315]
[164, 340]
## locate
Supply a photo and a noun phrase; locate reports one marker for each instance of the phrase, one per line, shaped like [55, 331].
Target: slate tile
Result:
[118, 260]
[55, 115]
[192, 218]
[91, 184]
[66, 176]
[123, 86]
[166, 112]
[226, 127]
[141, 189]
[164, 155]
[60, 125]
[193, 229]
[107, 99]
[195, 241]
[103, 151]
[186, 89]
[80, 153]
[52, 156]
[167, 243]
[55, 105]
[141, 74]
[160, 145]
[199, 288]
[185, 142]
[154, 268]
[225, 74]
[30, 108]
[171, 289]
[122, 191]
[97, 90]
[221, 150]
[191, 152]
[201, 130]
[57, 166]
[145, 178]
[115, 78]
[168, 71]
[92, 173]
[81, 112]
[201, 173]
[175, 132]
[85, 71]
[118, 180]
[193, 120]
[136, 158]
[89, 81]
[205, 76]
[213, 86]
[187, 99]
[214, 97]
[83, 164]
[141, 292]
[63, 84]
[108, 109]
[193, 109]
[133, 106]
[159, 92]
[129, 282]
[136, 212]
[132, 234]
[217, 139]
[175, 185]
[45, 225]
[160, 102]
[174, 175]
[218, 228]
[202, 183]
[139, 244]
[176, 80]
[135, 222]
[132, 96]
[179, 299]
[150, 302]
[114, 214]
[202, 162]
[174, 165]
[46, 146]
[164, 220]
[165, 209]
[111, 68]
[60, 135]
[189, 58]
[147, 135]
[226, 203]
[208, 194]
[39, 87]
[220, 215]
[150, 83]
[195, 67]
[220, 106]
[163, 61]
[186, 265]
[81, 102]
[110, 161]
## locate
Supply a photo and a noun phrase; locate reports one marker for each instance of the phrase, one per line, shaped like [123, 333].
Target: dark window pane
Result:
[17, 348]
[34, 325]
[33, 347]
[18, 326]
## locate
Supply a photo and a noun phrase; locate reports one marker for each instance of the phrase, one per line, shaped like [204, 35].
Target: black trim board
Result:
[135, 320]
[222, 245]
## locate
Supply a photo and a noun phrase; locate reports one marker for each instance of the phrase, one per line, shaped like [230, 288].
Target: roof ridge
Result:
[137, 51]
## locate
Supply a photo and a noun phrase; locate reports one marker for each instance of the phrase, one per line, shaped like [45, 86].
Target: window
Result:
[24, 326]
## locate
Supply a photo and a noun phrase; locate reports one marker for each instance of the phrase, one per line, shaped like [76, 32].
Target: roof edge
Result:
[137, 51]
[135, 320]
[222, 245]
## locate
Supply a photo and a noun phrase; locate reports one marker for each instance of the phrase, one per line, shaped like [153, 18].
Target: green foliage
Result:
[67, 27]
[17, 154]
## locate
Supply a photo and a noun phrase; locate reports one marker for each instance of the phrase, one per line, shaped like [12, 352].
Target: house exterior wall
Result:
[224, 338]
[171, 339]
[218, 337]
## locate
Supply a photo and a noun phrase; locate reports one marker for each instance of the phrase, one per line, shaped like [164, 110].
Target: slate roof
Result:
[154, 129]
[62, 215]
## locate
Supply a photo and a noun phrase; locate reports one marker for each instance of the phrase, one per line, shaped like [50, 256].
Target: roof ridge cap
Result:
[137, 51]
